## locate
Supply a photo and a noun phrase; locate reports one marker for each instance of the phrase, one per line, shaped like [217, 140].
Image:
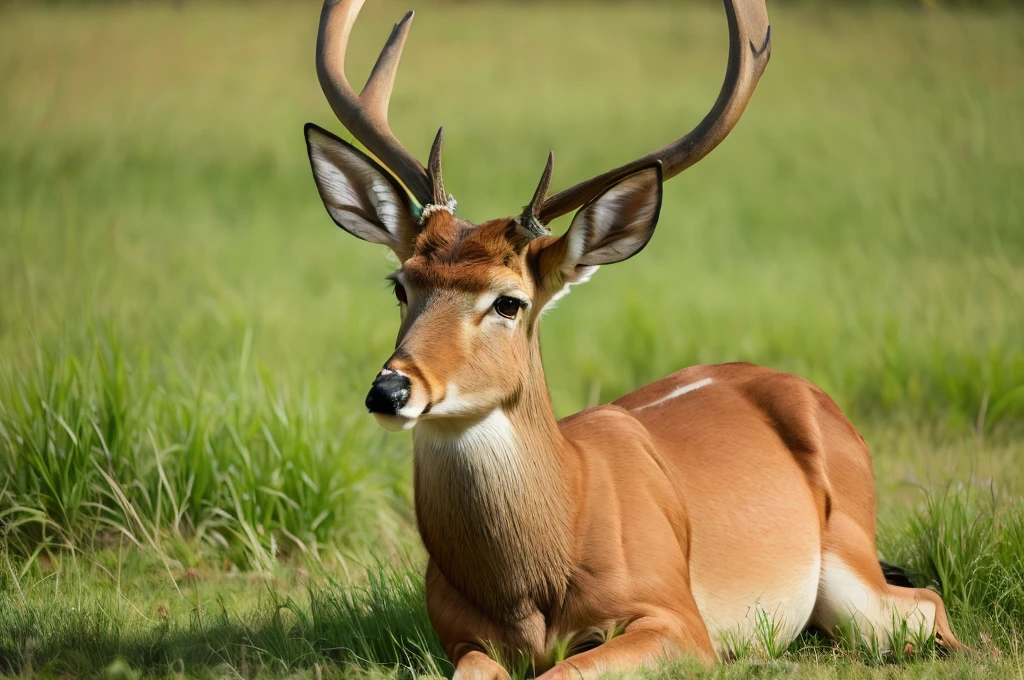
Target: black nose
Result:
[389, 393]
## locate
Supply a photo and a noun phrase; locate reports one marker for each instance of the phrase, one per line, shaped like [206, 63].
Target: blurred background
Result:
[186, 338]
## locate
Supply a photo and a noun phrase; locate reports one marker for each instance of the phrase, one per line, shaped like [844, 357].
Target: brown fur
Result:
[452, 253]
[677, 516]
[607, 517]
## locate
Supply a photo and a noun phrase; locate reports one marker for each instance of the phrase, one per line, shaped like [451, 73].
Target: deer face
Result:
[466, 297]
[470, 295]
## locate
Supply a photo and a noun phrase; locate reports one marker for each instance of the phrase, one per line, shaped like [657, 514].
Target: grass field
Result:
[188, 483]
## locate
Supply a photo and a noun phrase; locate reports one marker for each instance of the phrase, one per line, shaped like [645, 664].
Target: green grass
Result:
[186, 339]
[115, 611]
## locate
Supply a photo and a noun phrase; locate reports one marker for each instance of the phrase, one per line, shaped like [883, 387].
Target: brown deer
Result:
[674, 521]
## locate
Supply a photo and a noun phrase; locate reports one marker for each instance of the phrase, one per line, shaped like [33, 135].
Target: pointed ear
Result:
[611, 228]
[363, 198]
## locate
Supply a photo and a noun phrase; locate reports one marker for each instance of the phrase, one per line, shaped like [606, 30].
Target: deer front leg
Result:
[475, 665]
[646, 643]
[462, 630]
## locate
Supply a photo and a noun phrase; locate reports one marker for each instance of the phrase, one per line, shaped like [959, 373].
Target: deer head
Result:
[471, 295]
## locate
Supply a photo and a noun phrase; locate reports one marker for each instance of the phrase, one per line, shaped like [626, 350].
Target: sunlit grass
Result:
[96, 449]
[85, 613]
[186, 339]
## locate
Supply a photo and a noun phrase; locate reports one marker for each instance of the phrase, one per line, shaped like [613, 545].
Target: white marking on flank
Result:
[678, 392]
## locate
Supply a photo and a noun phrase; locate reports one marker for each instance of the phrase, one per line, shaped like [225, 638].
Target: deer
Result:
[664, 525]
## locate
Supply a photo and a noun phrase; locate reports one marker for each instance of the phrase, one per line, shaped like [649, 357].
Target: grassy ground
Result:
[187, 482]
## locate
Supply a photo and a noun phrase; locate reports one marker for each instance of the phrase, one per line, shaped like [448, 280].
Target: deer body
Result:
[719, 508]
[693, 511]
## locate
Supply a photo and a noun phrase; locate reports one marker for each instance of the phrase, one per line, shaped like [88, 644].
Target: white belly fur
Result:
[760, 616]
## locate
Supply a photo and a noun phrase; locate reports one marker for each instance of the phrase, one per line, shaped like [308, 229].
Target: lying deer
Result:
[679, 515]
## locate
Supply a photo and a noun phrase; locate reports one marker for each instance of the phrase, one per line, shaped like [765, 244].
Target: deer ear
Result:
[361, 197]
[611, 228]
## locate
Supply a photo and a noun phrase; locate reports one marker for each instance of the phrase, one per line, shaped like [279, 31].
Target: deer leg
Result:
[465, 633]
[476, 665]
[853, 595]
[646, 643]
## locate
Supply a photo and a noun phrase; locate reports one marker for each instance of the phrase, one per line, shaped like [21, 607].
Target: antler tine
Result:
[376, 94]
[365, 115]
[530, 218]
[439, 195]
[542, 187]
[749, 50]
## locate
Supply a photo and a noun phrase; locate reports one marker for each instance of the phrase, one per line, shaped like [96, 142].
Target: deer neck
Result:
[494, 500]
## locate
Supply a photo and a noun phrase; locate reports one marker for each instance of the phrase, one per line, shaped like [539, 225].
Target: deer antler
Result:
[530, 217]
[366, 115]
[749, 50]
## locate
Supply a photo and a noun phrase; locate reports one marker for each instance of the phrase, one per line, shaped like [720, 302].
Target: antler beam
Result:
[366, 115]
[749, 50]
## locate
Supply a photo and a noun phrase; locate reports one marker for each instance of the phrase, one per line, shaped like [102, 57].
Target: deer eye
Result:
[507, 306]
[400, 293]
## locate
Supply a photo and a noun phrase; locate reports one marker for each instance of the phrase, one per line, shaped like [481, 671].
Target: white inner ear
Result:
[358, 198]
[386, 204]
[610, 229]
[618, 224]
